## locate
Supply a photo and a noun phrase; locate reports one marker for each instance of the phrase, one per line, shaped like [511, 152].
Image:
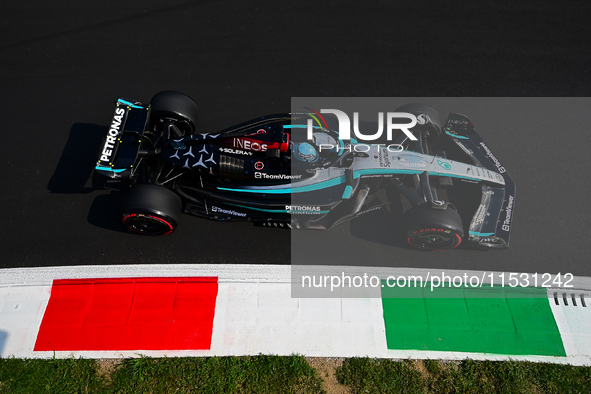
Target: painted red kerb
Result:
[129, 314]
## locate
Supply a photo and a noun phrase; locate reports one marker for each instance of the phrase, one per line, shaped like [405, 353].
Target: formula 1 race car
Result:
[284, 171]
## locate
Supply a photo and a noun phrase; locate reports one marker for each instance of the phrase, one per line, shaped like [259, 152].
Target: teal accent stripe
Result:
[128, 103]
[388, 171]
[109, 169]
[347, 192]
[384, 171]
[457, 136]
[455, 176]
[298, 126]
[298, 189]
[481, 234]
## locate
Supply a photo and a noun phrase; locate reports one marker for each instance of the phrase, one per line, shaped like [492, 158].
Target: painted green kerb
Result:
[484, 320]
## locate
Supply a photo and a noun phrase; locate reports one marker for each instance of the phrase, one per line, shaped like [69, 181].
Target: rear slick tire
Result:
[151, 210]
[177, 107]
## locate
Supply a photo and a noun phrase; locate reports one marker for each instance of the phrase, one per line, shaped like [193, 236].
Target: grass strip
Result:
[292, 374]
[49, 376]
[365, 375]
[259, 374]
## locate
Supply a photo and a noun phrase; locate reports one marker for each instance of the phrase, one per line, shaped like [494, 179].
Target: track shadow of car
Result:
[464, 195]
[105, 211]
[74, 175]
[385, 225]
[3, 338]
[74, 169]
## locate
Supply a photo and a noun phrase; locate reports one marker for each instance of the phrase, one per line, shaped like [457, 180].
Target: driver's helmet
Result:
[305, 152]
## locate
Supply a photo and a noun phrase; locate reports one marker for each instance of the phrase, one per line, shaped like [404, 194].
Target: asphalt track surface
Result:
[64, 64]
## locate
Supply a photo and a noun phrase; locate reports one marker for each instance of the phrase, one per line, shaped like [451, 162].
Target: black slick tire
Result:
[175, 106]
[151, 209]
[432, 229]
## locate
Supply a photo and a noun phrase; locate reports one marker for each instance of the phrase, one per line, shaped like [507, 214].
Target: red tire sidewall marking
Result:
[437, 230]
[151, 217]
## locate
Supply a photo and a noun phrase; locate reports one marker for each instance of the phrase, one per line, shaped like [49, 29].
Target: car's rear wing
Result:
[492, 222]
[121, 145]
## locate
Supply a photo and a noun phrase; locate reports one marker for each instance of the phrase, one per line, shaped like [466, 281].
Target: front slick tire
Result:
[433, 229]
[151, 210]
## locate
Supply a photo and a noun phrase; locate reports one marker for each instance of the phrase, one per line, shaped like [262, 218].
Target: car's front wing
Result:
[492, 222]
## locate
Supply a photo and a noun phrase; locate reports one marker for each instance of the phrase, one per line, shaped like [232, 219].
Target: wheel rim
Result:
[431, 240]
[184, 125]
[148, 224]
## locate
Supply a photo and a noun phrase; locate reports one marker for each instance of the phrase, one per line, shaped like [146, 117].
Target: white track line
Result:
[255, 313]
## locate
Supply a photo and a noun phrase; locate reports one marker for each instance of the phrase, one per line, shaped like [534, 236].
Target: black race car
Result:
[283, 171]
